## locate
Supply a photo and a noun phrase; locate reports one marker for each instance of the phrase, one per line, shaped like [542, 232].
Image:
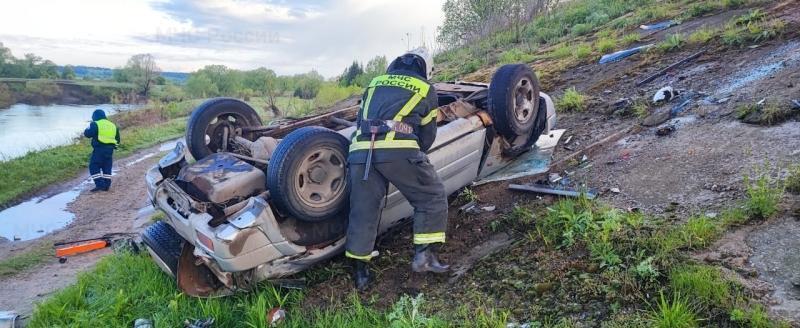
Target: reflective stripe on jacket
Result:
[402, 98]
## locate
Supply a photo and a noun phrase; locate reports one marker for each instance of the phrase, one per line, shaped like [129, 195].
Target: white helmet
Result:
[426, 57]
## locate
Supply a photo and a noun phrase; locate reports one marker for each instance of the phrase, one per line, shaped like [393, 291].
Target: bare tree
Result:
[143, 72]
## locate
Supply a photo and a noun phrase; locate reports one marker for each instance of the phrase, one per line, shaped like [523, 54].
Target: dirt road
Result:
[96, 214]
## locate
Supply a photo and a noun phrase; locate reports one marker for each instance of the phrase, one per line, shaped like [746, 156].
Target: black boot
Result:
[361, 275]
[426, 260]
[96, 189]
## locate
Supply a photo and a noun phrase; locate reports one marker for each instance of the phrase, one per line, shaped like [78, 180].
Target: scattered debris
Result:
[666, 130]
[670, 67]
[658, 26]
[207, 323]
[761, 102]
[679, 108]
[490, 208]
[298, 284]
[554, 177]
[543, 189]
[664, 94]
[468, 207]
[495, 243]
[796, 103]
[615, 190]
[622, 54]
[142, 323]
[117, 240]
[62, 260]
[620, 107]
[17, 238]
[8, 319]
[276, 316]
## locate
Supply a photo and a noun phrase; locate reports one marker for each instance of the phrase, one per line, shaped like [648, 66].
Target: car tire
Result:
[165, 242]
[204, 130]
[514, 100]
[307, 174]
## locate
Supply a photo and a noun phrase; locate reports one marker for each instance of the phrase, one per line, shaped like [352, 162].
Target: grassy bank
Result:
[40, 169]
[139, 129]
[611, 268]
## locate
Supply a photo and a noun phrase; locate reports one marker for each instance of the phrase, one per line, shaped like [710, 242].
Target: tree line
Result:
[30, 66]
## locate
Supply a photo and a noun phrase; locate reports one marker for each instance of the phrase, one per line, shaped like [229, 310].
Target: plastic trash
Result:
[658, 26]
[622, 54]
[664, 94]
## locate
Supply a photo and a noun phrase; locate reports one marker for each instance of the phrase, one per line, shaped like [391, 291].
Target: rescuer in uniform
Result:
[105, 138]
[396, 126]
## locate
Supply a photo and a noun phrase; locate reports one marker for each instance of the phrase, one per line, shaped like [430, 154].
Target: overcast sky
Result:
[184, 35]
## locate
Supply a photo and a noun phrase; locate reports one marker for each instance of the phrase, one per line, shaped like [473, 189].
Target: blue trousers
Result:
[100, 164]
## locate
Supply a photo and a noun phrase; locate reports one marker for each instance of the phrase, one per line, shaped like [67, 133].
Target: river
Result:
[25, 128]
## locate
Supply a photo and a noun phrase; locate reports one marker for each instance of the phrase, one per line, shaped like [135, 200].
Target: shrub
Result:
[606, 45]
[581, 29]
[572, 100]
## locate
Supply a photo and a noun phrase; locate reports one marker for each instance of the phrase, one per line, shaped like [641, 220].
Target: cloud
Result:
[287, 36]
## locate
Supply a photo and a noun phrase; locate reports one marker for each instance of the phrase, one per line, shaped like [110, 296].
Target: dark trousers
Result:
[417, 180]
[100, 164]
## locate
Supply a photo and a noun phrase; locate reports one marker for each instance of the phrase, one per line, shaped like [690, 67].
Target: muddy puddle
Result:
[42, 215]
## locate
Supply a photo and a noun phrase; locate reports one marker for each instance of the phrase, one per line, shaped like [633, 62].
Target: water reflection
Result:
[24, 128]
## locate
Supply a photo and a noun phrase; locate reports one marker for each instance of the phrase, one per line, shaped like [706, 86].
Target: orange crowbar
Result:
[81, 247]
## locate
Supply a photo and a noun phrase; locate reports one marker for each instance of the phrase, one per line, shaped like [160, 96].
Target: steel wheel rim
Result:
[320, 178]
[523, 101]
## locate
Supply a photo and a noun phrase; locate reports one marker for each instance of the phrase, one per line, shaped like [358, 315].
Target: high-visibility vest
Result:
[418, 87]
[106, 132]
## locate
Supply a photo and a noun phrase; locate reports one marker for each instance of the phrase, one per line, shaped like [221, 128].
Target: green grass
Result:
[792, 182]
[763, 196]
[703, 284]
[752, 28]
[514, 56]
[43, 168]
[702, 35]
[582, 51]
[606, 45]
[571, 101]
[630, 38]
[32, 257]
[671, 43]
[677, 312]
[124, 287]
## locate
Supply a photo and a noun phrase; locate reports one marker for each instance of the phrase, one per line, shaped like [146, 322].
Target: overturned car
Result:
[267, 201]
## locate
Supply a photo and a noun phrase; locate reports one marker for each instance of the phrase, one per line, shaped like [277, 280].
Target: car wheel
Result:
[216, 120]
[514, 100]
[307, 174]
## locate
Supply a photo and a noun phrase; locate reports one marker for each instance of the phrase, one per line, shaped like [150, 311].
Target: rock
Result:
[142, 323]
[489, 208]
[658, 117]
[615, 190]
[620, 107]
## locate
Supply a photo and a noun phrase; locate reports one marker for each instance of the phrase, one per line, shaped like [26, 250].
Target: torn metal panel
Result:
[533, 162]
[543, 189]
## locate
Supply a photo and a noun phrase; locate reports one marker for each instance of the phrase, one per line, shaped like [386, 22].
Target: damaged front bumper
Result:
[249, 246]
